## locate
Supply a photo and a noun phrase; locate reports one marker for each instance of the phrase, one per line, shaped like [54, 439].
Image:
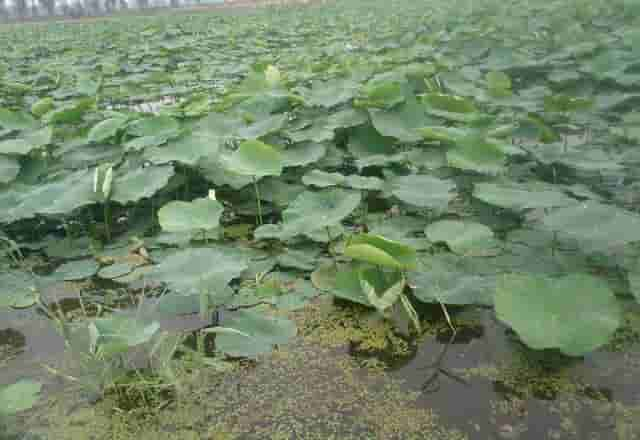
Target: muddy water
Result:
[345, 378]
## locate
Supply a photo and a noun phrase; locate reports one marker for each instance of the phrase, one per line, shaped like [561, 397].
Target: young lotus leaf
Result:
[16, 120]
[545, 314]
[312, 211]
[154, 126]
[199, 214]
[9, 169]
[449, 103]
[594, 225]
[380, 300]
[518, 197]
[381, 251]
[106, 129]
[119, 332]
[255, 158]
[197, 270]
[19, 396]
[461, 237]
[76, 270]
[423, 191]
[248, 333]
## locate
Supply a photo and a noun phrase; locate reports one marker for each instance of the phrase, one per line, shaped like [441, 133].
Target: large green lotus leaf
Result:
[449, 279]
[401, 122]
[199, 214]
[154, 126]
[395, 254]
[17, 289]
[365, 141]
[255, 158]
[199, 270]
[16, 120]
[462, 237]
[518, 196]
[106, 129]
[312, 211]
[173, 304]
[450, 135]
[140, 143]
[221, 125]
[499, 84]
[255, 333]
[576, 313]
[9, 169]
[118, 332]
[16, 146]
[449, 103]
[219, 171]
[319, 131]
[76, 270]
[187, 149]
[263, 127]
[384, 91]
[423, 191]
[473, 153]
[345, 283]
[349, 117]
[140, 183]
[594, 225]
[331, 93]
[279, 191]
[322, 179]
[19, 396]
[400, 228]
[302, 154]
[70, 112]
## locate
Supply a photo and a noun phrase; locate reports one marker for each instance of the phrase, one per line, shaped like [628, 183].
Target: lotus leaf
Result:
[519, 197]
[401, 122]
[154, 126]
[461, 237]
[199, 214]
[16, 120]
[331, 93]
[380, 251]
[255, 158]
[140, 183]
[9, 169]
[303, 154]
[476, 154]
[423, 191]
[545, 314]
[248, 333]
[106, 129]
[19, 396]
[119, 332]
[199, 270]
[76, 270]
[17, 290]
[263, 127]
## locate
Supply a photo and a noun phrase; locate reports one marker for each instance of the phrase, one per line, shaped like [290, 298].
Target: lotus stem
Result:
[259, 204]
[107, 217]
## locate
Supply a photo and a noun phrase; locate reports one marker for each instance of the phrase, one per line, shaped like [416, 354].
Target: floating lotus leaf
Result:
[199, 270]
[19, 396]
[517, 196]
[76, 270]
[423, 191]
[312, 211]
[253, 333]
[380, 251]
[594, 225]
[17, 289]
[255, 158]
[323, 179]
[9, 169]
[199, 214]
[462, 237]
[349, 117]
[365, 141]
[449, 279]
[106, 129]
[545, 313]
[116, 270]
[154, 126]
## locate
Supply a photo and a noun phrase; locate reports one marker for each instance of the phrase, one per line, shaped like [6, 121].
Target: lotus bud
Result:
[108, 180]
[272, 74]
[96, 177]
[212, 194]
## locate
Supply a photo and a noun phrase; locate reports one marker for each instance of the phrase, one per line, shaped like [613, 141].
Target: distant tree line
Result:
[17, 10]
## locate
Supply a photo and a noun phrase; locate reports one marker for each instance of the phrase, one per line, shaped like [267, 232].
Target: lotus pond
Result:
[347, 220]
